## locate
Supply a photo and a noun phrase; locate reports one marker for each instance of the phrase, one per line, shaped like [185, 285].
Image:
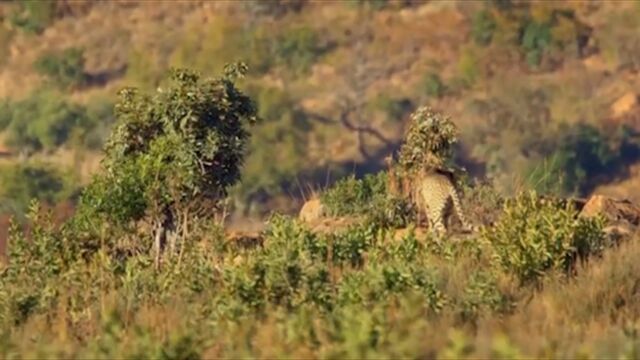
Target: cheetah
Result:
[435, 191]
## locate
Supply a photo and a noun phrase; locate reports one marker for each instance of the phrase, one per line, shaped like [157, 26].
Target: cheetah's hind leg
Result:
[436, 221]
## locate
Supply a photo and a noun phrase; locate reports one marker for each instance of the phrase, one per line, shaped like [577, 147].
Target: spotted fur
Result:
[436, 193]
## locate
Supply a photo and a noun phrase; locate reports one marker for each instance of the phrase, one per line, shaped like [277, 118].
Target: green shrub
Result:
[21, 183]
[33, 16]
[533, 237]
[174, 154]
[433, 86]
[351, 196]
[43, 121]
[468, 67]
[5, 114]
[368, 197]
[429, 141]
[482, 295]
[482, 27]
[393, 108]
[391, 212]
[101, 116]
[65, 69]
[536, 38]
[298, 48]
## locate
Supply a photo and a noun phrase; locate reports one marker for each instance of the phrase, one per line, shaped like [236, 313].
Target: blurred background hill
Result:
[546, 94]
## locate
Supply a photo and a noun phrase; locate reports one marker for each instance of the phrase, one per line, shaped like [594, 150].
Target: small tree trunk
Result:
[159, 242]
[184, 234]
[165, 227]
[392, 179]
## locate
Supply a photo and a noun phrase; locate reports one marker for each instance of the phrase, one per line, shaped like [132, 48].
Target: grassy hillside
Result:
[129, 254]
[335, 82]
[536, 284]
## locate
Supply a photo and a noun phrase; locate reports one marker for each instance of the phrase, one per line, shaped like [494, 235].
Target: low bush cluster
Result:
[429, 141]
[44, 121]
[521, 137]
[351, 293]
[532, 237]
[20, 183]
[538, 30]
[93, 287]
[33, 16]
[65, 69]
[369, 198]
[292, 49]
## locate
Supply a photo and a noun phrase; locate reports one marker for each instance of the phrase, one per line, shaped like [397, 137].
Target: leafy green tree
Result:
[172, 156]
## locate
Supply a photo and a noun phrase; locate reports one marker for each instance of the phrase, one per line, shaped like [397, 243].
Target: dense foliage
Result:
[64, 69]
[532, 237]
[43, 121]
[21, 183]
[428, 142]
[369, 198]
[541, 32]
[359, 292]
[534, 90]
[173, 156]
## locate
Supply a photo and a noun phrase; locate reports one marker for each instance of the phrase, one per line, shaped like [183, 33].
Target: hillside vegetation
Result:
[132, 132]
[536, 88]
[141, 270]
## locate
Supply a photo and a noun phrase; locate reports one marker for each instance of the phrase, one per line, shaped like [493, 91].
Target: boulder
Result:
[614, 210]
[312, 210]
[624, 104]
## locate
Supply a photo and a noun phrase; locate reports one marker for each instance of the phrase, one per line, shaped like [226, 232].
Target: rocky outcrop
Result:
[614, 210]
[313, 210]
[624, 105]
[622, 216]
